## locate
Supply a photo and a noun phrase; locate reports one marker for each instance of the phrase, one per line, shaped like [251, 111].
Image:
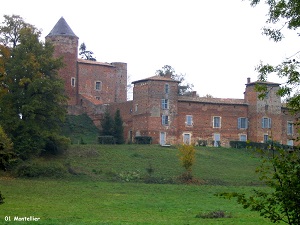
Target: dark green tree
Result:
[118, 128]
[168, 71]
[280, 170]
[7, 156]
[33, 106]
[283, 15]
[86, 54]
[107, 125]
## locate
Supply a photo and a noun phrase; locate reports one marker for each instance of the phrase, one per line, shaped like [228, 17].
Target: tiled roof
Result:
[232, 101]
[263, 82]
[94, 62]
[61, 28]
[156, 78]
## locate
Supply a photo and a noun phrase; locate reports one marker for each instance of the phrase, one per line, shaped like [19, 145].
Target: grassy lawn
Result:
[96, 193]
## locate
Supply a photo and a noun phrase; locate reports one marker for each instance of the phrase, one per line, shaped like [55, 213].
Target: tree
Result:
[280, 171]
[7, 156]
[187, 159]
[10, 30]
[118, 128]
[32, 102]
[85, 54]
[107, 124]
[168, 71]
[282, 15]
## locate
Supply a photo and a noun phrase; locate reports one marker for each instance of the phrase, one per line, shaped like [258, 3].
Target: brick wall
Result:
[202, 126]
[67, 47]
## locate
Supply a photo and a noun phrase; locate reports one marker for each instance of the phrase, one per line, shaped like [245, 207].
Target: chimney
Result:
[248, 80]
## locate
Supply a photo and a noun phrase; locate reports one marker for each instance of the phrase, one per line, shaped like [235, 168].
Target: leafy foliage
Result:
[118, 128]
[168, 71]
[10, 31]
[283, 14]
[280, 170]
[85, 54]
[113, 127]
[143, 140]
[107, 124]
[7, 156]
[187, 157]
[33, 102]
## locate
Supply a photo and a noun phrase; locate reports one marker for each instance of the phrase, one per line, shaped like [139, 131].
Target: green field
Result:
[106, 184]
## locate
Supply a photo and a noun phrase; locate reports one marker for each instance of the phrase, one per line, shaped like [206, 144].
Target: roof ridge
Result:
[61, 28]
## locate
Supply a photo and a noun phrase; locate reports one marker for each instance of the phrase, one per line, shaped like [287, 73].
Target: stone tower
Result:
[66, 45]
[264, 115]
[155, 109]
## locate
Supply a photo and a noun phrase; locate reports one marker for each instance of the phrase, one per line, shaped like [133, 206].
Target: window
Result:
[217, 122]
[73, 81]
[266, 138]
[167, 88]
[98, 85]
[189, 120]
[290, 127]
[266, 122]
[242, 123]
[164, 104]
[136, 107]
[243, 137]
[165, 120]
[97, 97]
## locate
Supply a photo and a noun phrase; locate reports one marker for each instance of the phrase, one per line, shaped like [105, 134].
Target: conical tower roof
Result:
[61, 28]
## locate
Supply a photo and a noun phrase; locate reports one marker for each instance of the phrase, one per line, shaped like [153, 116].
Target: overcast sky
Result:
[217, 44]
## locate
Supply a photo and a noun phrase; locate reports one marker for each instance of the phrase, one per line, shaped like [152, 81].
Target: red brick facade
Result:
[106, 82]
[157, 110]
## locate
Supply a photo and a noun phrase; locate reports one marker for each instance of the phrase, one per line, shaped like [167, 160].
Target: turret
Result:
[66, 45]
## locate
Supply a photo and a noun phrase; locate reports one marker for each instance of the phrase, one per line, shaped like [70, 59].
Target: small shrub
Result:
[150, 170]
[202, 143]
[143, 140]
[106, 140]
[213, 215]
[56, 145]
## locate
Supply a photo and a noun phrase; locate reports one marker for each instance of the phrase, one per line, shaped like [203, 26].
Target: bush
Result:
[143, 140]
[7, 156]
[106, 140]
[213, 215]
[258, 145]
[56, 145]
[238, 144]
[202, 143]
[41, 169]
